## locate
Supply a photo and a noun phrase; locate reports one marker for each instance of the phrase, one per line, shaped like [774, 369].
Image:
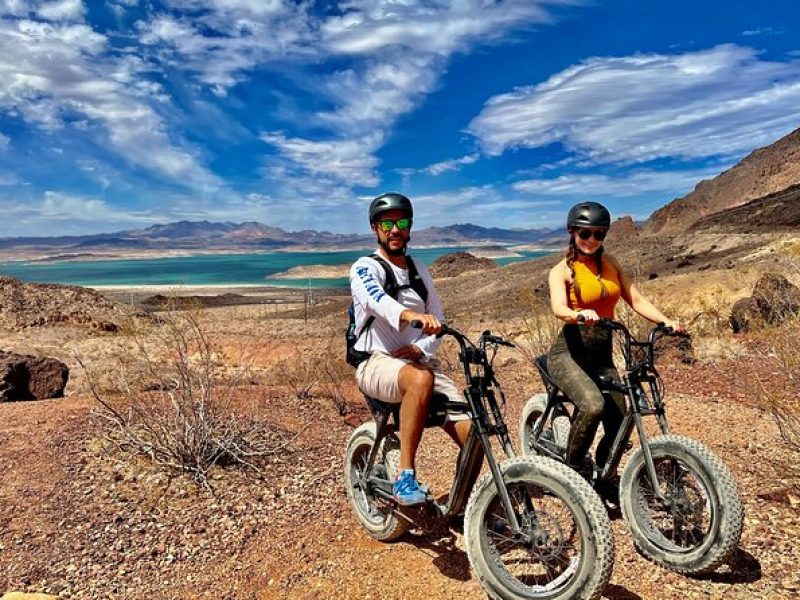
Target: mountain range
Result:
[248, 236]
[760, 193]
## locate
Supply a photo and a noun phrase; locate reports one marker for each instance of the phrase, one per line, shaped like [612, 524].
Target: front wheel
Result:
[376, 516]
[566, 546]
[697, 523]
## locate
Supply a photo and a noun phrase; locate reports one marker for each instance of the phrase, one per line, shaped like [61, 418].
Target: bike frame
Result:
[487, 421]
[639, 404]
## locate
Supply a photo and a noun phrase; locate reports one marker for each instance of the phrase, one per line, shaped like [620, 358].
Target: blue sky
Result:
[123, 113]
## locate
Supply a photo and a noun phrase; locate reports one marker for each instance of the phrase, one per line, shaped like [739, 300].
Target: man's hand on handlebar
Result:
[429, 324]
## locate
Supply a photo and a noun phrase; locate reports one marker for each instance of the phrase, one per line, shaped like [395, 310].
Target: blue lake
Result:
[206, 269]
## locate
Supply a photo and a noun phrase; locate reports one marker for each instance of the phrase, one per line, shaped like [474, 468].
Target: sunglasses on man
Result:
[403, 223]
[598, 234]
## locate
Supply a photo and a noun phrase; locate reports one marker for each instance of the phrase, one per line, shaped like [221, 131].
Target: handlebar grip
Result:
[416, 324]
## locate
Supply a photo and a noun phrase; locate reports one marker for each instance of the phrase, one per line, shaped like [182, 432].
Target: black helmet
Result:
[390, 201]
[588, 214]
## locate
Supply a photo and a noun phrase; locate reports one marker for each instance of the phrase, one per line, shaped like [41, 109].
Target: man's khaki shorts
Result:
[377, 377]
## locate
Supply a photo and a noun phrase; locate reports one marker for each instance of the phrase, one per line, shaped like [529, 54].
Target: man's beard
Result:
[394, 252]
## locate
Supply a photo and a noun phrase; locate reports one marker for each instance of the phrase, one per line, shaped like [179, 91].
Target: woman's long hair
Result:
[572, 256]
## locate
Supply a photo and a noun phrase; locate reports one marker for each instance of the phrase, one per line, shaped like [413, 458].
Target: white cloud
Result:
[61, 10]
[4, 141]
[723, 101]
[764, 31]
[59, 206]
[451, 165]
[49, 71]
[634, 183]
[348, 160]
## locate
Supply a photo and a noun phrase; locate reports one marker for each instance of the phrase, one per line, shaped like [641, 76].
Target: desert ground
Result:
[83, 517]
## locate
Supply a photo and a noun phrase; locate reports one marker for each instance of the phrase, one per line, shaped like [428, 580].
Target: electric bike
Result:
[679, 501]
[534, 529]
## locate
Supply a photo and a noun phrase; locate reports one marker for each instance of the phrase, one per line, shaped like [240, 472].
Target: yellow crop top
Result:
[591, 290]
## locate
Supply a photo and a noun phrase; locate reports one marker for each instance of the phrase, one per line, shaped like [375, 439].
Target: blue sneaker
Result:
[406, 490]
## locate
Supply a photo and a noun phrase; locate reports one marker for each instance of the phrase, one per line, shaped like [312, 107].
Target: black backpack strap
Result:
[417, 283]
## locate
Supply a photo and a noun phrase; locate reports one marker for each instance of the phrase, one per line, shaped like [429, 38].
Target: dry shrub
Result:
[176, 408]
[322, 374]
[781, 395]
[536, 327]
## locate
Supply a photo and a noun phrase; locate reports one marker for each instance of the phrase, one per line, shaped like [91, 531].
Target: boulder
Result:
[26, 377]
[777, 298]
[774, 300]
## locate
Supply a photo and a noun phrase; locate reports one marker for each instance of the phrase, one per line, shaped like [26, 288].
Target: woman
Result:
[587, 283]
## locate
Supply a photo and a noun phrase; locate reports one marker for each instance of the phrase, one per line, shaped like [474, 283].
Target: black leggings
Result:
[576, 359]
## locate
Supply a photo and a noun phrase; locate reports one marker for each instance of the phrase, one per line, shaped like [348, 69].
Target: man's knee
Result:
[417, 379]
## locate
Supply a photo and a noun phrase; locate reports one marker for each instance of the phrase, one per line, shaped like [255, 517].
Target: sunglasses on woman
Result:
[598, 234]
[386, 225]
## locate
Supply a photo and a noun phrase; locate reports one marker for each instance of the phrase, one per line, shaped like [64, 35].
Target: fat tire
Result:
[597, 539]
[720, 485]
[532, 410]
[392, 526]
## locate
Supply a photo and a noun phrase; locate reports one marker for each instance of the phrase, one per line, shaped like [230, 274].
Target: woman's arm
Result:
[637, 301]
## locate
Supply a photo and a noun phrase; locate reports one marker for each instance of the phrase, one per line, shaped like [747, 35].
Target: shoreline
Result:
[44, 258]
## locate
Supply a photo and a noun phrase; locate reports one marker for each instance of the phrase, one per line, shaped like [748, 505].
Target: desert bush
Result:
[536, 327]
[176, 407]
[780, 395]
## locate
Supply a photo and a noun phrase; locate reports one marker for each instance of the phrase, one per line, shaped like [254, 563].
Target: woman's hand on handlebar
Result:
[587, 317]
[674, 326]
[429, 324]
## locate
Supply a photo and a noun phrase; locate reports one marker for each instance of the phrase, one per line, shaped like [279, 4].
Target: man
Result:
[401, 367]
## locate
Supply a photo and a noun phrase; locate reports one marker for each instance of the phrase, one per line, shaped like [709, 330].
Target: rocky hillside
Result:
[25, 305]
[777, 211]
[765, 171]
[456, 263]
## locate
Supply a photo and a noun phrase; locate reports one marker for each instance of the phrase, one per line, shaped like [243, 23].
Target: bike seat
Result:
[437, 409]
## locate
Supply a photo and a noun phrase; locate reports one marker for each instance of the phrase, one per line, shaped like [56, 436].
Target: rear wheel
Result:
[697, 523]
[566, 548]
[555, 431]
[376, 515]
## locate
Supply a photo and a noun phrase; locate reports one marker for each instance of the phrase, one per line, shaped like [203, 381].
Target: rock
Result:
[774, 299]
[744, 312]
[26, 377]
[777, 298]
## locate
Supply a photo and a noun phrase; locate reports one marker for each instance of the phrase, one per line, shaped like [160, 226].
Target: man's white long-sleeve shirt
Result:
[387, 334]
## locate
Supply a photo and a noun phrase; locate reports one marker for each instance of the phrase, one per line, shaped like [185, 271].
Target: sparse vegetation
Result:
[177, 407]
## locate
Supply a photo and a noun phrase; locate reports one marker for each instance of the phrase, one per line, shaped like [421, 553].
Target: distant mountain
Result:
[765, 171]
[226, 236]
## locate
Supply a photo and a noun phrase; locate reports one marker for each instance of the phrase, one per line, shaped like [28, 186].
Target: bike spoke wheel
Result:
[548, 554]
[564, 548]
[377, 516]
[696, 523]
[683, 519]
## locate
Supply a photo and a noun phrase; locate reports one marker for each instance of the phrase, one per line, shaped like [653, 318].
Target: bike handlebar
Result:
[447, 330]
